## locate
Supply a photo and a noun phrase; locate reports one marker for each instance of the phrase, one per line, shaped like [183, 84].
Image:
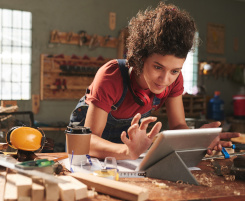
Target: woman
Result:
[124, 92]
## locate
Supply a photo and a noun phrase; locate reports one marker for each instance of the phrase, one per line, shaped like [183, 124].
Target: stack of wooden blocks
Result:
[24, 188]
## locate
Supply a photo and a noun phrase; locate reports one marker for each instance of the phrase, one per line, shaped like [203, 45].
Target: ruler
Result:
[136, 174]
[9, 162]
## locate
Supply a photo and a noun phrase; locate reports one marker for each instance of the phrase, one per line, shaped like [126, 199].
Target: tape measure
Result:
[136, 174]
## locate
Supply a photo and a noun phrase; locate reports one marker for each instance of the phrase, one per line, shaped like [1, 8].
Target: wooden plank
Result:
[2, 184]
[10, 192]
[51, 191]
[112, 187]
[80, 189]
[23, 184]
[37, 192]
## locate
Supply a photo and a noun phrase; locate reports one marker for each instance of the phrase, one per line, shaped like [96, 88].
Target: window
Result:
[15, 54]
[190, 72]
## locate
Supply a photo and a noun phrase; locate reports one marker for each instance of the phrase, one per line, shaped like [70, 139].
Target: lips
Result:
[160, 87]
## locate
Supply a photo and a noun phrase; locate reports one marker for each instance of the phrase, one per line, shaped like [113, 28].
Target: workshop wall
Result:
[93, 17]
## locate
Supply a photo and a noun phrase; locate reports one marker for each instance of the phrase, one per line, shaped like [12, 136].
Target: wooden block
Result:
[10, 192]
[80, 189]
[111, 187]
[23, 184]
[51, 191]
[37, 192]
[67, 191]
[2, 183]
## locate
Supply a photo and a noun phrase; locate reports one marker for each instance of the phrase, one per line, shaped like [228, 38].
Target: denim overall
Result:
[114, 127]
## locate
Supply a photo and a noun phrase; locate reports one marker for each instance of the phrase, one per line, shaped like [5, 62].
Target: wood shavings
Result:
[237, 192]
[179, 182]
[205, 180]
[230, 177]
[92, 193]
[160, 185]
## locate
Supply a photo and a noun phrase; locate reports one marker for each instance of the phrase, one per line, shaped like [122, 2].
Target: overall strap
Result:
[124, 72]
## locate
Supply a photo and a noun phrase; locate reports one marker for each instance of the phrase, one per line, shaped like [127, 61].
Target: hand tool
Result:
[226, 155]
[10, 162]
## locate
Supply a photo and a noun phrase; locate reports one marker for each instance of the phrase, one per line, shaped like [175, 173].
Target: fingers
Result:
[132, 131]
[212, 125]
[145, 122]
[124, 138]
[136, 119]
[155, 130]
[229, 135]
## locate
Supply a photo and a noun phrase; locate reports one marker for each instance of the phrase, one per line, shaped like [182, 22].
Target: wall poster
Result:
[216, 39]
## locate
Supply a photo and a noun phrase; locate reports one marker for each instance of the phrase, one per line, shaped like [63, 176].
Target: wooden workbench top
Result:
[212, 187]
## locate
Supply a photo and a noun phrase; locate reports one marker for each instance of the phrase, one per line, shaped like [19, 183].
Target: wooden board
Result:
[112, 187]
[67, 77]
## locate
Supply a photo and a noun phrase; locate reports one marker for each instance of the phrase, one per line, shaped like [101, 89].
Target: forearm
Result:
[179, 126]
[101, 148]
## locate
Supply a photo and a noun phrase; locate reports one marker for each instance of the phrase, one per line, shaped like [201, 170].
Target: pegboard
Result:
[67, 77]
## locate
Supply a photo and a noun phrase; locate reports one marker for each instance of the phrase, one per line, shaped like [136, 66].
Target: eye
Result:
[157, 67]
[175, 71]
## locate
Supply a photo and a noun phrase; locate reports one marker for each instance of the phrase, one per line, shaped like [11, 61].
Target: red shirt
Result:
[107, 88]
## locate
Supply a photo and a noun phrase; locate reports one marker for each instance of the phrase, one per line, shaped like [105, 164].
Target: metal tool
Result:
[226, 155]
[9, 162]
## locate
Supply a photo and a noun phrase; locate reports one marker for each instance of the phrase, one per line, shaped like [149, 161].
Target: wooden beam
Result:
[79, 189]
[111, 187]
[37, 192]
[10, 193]
[51, 190]
[2, 184]
[23, 184]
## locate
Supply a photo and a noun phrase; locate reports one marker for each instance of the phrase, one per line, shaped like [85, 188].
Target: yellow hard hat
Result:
[25, 138]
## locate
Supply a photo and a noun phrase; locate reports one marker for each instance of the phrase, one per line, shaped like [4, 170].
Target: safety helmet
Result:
[25, 138]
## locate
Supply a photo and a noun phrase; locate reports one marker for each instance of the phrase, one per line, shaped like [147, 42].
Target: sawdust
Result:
[92, 193]
[160, 185]
[236, 192]
[229, 177]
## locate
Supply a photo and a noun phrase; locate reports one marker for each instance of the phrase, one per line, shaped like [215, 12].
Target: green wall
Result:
[92, 16]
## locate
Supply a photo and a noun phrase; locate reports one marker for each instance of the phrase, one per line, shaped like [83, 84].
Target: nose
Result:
[164, 77]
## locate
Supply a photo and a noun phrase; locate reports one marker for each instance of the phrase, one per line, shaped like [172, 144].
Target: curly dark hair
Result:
[165, 30]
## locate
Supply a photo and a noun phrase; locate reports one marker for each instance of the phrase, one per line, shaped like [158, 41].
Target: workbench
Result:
[212, 187]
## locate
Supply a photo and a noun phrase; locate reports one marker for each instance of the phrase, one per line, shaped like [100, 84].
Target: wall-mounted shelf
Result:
[82, 38]
[67, 77]
[194, 106]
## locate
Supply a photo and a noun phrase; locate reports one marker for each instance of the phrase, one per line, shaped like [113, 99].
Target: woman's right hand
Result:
[139, 140]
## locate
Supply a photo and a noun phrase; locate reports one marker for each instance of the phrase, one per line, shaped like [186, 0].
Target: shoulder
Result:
[111, 69]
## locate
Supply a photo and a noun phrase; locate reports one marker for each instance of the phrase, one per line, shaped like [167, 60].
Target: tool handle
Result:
[238, 146]
[225, 153]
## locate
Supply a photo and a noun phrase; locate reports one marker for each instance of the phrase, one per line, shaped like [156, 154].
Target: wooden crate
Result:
[67, 77]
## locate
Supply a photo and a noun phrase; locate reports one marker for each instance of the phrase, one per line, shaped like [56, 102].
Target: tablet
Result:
[169, 141]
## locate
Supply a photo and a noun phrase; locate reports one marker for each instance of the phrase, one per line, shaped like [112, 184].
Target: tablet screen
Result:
[177, 140]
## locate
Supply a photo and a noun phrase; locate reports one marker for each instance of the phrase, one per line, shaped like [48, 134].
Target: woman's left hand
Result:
[217, 143]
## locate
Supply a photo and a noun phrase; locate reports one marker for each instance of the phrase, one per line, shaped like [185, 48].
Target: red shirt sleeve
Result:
[107, 86]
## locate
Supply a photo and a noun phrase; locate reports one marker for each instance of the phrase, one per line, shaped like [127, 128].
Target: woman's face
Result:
[159, 72]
